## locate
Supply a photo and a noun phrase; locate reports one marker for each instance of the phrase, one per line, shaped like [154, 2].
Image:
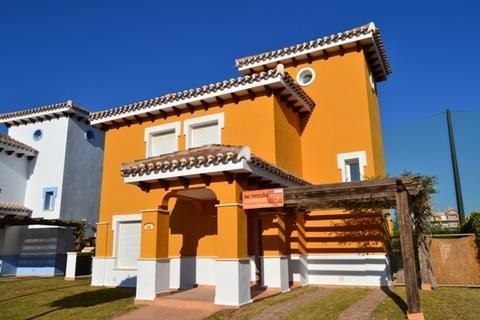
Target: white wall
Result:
[13, 178]
[46, 170]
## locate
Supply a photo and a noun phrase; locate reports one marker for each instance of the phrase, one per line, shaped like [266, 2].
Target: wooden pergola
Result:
[386, 193]
[22, 220]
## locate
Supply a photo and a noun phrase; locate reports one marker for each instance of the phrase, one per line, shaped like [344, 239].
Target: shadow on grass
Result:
[396, 298]
[88, 299]
[43, 291]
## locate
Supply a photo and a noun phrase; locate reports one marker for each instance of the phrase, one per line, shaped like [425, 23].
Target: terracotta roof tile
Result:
[212, 88]
[14, 207]
[330, 40]
[204, 156]
[9, 141]
[52, 108]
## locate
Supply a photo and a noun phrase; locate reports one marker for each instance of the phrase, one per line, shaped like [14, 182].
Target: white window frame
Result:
[344, 158]
[299, 80]
[151, 131]
[116, 220]
[188, 124]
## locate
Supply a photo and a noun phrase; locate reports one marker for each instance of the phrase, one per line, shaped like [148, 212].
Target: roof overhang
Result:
[10, 146]
[275, 80]
[366, 37]
[45, 113]
[206, 162]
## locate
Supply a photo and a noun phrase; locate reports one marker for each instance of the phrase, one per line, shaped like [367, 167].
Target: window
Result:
[49, 195]
[162, 139]
[353, 170]
[128, 244]
[37, 134]
[204, 130]
[90, 135]
[352, 165]
[305, 76]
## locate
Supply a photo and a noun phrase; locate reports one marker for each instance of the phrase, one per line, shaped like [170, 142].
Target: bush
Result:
[472, 225]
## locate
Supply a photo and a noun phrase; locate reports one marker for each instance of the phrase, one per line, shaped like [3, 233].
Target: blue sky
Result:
[103, 54]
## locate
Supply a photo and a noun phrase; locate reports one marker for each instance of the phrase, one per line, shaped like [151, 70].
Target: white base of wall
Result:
[186, 272]
[232, 282]
[341, 269]
[275, 273]
[104, 273]
[153, 278]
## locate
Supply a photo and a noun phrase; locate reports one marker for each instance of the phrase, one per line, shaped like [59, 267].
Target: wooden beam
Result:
[268, 90]
[115, 124]
[177, 111]
[294, 61]
[184, 181]
[309, 58]
[251, 181]
[164, 183]
[206, 179]
[229, 176]
[190, 107]
[151, 116]
[128, 122]
[325, 54]
[219, 101]
[251, 94]
[145, 187]
[204, 104]
[285, 97]
[342, 50]
[138, 118]
[163, 113]
[358, 46]
[235, 98]
[408, 254]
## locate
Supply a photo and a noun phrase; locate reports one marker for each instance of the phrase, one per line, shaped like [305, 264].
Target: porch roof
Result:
[205, 162]
[13, 208]
[11, 146]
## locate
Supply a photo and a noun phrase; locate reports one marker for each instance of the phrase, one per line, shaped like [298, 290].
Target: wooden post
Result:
[408, 254]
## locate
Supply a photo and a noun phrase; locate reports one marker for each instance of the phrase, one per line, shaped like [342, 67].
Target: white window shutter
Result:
[205, 134]
[129, 234]
[164, 142]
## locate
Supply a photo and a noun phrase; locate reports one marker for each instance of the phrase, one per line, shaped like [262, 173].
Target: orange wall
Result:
[341, 121]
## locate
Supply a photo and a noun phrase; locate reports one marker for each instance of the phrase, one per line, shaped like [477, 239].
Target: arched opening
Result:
[193, 234]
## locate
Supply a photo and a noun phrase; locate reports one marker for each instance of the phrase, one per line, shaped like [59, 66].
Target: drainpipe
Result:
[456, 174]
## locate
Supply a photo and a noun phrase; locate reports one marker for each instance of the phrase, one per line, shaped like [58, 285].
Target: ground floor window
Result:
[128, 244]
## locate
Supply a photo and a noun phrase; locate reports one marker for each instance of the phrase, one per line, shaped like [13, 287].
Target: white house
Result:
[50, 167]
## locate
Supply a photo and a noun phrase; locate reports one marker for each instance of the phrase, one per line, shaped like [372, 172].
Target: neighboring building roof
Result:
[14, 208]
[43, 113]
[366, 36]
[12, 219]
[206, 160]
[10, 146]
[218, 93]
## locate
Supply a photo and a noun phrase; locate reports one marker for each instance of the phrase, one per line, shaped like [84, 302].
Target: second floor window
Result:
[204, 130]
[162, 139]
[49, 195]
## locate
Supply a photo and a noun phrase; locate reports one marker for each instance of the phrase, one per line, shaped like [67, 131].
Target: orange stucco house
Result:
[175, 167]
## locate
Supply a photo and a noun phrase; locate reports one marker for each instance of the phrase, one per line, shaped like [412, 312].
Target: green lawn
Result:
[55, 298]
[249, 310]
[329, 307]
[443, 303]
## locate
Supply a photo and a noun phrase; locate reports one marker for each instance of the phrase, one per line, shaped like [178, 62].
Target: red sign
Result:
[267, 198]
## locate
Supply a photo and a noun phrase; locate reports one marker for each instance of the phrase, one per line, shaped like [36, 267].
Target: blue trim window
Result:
[37, 134]
[49, 196]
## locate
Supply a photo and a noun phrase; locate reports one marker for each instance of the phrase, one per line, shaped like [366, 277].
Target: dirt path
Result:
[278, 310]
[362, 309]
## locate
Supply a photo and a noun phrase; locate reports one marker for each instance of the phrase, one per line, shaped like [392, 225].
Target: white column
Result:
[71, 266]
[232, 280]
[153, 277]
[275, 273]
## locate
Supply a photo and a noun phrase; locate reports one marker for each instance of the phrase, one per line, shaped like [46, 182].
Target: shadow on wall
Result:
[193, 220]
[327, 232]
